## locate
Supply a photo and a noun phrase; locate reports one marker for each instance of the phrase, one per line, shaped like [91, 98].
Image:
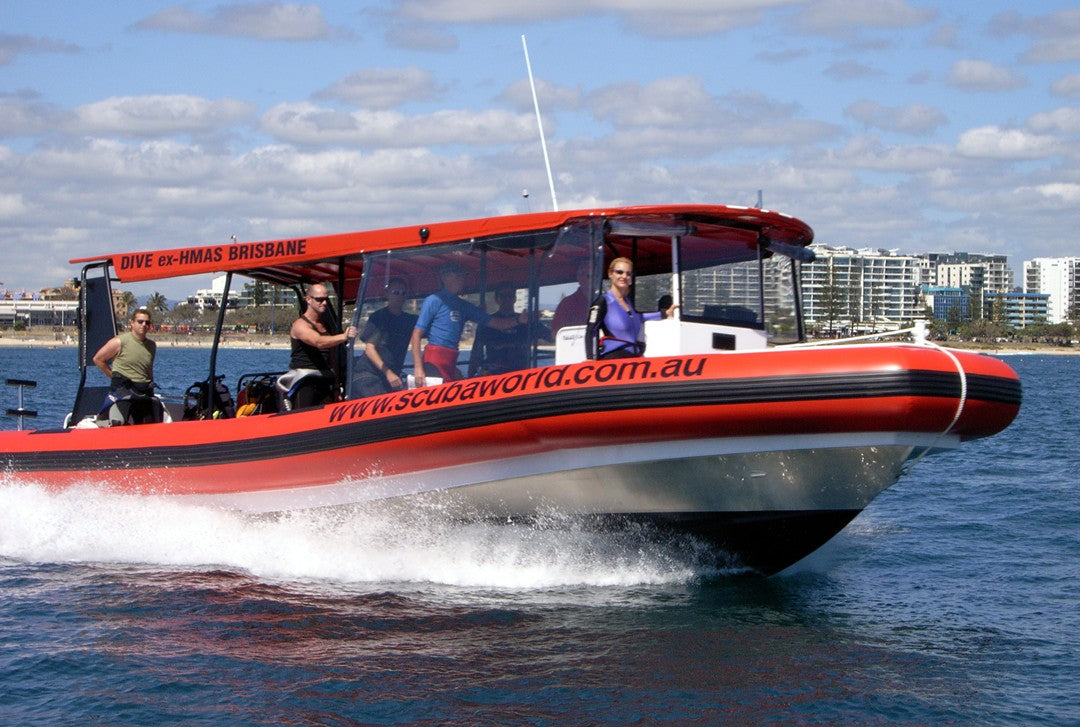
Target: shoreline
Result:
[70, 340]
[258, 341]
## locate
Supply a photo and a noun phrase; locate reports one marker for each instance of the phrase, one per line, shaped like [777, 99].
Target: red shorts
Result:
[444, 359]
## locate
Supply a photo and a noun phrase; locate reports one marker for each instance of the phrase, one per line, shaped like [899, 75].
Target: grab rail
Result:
[917, 332]
[21, 411]
[918, 336]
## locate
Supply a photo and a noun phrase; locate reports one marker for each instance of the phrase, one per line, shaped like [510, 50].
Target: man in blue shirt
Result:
[442, 320]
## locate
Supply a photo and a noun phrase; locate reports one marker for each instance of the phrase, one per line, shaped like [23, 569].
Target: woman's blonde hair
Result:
[611, 265]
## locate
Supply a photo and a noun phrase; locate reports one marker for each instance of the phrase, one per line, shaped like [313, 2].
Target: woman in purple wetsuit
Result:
[615, 328]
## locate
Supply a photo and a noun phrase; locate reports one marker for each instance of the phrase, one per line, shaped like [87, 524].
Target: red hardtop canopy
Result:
[339, 257]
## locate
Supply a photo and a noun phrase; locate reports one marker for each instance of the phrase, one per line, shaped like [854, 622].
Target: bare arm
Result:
[377, 361]
[417, 357]
[303, 331]
[106, 354]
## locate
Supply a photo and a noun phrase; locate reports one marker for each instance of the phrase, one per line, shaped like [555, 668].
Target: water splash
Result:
[353, 545]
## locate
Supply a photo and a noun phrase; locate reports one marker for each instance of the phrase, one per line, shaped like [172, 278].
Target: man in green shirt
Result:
[128, 361]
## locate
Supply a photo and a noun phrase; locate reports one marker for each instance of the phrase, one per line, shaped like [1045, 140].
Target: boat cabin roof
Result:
[708, 235]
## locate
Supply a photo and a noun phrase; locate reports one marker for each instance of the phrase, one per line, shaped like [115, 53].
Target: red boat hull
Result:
[721, 432]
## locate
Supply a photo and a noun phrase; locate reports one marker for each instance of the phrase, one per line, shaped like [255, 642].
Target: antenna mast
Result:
[540, 125]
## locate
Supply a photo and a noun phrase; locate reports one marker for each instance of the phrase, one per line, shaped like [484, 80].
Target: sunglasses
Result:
[319, 298]
[396, 291]
[141, 322]
[622, 272]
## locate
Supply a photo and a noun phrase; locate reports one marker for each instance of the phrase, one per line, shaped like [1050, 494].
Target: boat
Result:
[730, 431]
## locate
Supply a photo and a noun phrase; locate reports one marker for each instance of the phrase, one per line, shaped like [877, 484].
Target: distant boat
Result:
[761, 450]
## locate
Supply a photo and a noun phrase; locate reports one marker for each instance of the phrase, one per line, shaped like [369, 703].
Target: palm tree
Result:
[125, 302]
[157, 302]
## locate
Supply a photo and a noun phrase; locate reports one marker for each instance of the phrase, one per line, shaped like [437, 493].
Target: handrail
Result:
[918, 336]
[917, 332]
[21, 411]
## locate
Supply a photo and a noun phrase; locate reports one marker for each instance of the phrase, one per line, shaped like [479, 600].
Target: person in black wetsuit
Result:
[500, 351]
[312, 349]
[386, 337]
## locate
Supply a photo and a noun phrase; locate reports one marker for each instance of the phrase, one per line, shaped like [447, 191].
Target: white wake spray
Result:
[354, 545]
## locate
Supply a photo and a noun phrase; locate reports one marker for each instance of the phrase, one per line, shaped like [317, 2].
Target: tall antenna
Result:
[540, 125]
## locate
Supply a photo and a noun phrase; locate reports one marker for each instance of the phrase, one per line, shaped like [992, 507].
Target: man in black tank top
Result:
[313, 348]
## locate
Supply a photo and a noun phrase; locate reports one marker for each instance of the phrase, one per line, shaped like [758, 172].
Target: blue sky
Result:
[918, 126]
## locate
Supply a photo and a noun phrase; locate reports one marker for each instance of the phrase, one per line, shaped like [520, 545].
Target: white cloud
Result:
[22, 116]
[911, 119]
[975, 75]
[945, 36]
[484, 11]
[551, 96]
[993, 142]
[674, 102]
[1069, 86]
[12, 46]
[421, 37]
[869, 153]
[381, 88]
[264, 20]
[1056, 50]
[309, 124]
[841, 16]
[848, 70]
[649, 17]
[108, 162]
[1055, 37]
[782, 56]
[158, 115]
[673, 117]
[1066, 120]
[11, 205]
[1068, 193]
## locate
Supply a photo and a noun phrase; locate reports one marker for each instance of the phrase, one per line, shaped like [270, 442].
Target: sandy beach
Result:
[70, 338]
[246, 340]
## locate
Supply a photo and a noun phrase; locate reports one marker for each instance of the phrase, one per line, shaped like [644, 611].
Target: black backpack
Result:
[197, 401]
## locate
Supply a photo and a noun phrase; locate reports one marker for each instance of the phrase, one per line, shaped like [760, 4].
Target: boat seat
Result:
[88, 403]
[125, 411]
[288, 383]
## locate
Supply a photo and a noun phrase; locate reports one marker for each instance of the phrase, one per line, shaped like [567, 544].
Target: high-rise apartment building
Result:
[976, 271]
[1058, 277]
[864, 290]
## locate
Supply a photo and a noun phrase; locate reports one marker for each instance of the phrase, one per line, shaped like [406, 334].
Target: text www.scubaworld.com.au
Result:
[553, 377]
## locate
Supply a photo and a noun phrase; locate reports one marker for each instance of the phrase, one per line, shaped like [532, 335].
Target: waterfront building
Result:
[37, 311]
[979, 271]
[1059, 278]
[257, 293]
[210, 298]
[1017, 310]
[943, 300]
[864, 290]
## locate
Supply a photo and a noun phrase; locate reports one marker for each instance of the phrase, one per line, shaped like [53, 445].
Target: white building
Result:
[864, 290]
[210, 298]
[1059, 277]
[37, 311]
[976, 271]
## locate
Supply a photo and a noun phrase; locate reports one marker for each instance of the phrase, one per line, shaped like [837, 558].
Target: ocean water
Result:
[953, 599]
